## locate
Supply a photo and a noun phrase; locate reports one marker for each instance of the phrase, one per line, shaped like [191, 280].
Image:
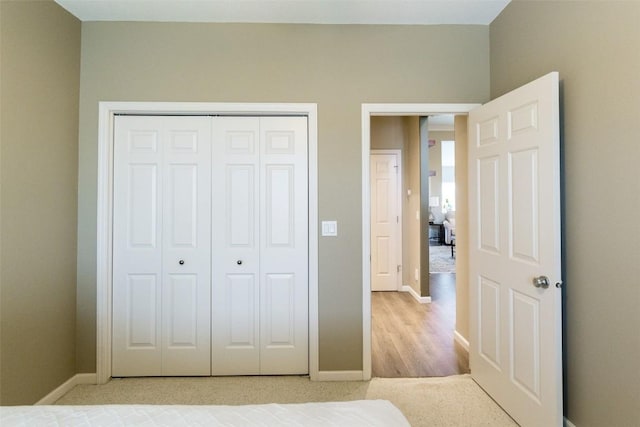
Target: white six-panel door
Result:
[260, 261]
[162, 241]
[210, 246]
[516, 320]
[385, 219]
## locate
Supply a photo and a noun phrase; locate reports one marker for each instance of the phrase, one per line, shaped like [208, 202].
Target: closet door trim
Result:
[104, 236]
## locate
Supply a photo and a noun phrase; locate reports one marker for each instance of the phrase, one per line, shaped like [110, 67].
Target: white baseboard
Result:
[414, 294]
[457, 336]
[340, 376]
[65, 387]
[568, 423]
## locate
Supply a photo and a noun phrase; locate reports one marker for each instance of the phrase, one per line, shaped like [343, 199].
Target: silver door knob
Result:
[541, 282]
[181, 262]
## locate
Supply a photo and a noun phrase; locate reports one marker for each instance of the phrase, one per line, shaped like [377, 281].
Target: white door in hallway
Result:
[514, 252]
[161, 246]
[260, 246]
[385, 221]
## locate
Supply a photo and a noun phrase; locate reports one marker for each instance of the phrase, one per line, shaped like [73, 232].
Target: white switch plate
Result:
[330, 228]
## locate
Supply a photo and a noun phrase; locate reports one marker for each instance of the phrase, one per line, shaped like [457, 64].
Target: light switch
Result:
[329, 228]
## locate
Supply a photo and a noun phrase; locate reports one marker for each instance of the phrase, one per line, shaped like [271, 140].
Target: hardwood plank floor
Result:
[410, 339]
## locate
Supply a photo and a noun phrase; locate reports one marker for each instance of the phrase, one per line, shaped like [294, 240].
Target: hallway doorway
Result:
[415, 272]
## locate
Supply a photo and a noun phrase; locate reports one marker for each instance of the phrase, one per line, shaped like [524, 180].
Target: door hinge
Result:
[399, 268]
[397, 219]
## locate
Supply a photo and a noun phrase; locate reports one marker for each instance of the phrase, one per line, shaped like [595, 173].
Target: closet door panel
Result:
[284, 320]
[236, 253]
[187, 246]
[137, 249]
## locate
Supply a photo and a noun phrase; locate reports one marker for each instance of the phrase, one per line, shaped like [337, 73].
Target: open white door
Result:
[514, 252]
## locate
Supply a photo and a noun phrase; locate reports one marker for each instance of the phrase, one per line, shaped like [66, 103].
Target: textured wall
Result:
[595, 46]
[40, 50]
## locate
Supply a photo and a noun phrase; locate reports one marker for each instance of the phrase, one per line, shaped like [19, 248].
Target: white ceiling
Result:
[406, 12]
[441, 122]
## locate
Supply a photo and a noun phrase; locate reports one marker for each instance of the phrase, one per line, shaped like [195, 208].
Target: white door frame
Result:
[398, 154]
[369, 110]
[104, 260]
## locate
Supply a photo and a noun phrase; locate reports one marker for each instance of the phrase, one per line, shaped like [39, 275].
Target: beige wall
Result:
[338, 67]
[40, 50]
[462, 227]
[411, 257]
[388, 133]
[595, 46]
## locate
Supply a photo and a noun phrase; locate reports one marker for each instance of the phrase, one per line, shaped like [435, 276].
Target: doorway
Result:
[409, 338]
[422, 294]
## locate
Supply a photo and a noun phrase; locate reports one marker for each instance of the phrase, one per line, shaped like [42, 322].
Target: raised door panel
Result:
[142, 207]
[236, 329]
[280, 206]
[139, 315]
[279, 317]
[241, 213]
[489, 322]
[488, 194]
[524, 350]
[524, 206]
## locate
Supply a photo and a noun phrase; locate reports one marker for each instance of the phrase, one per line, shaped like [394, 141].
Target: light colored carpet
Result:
[440, 260]
[448, 401]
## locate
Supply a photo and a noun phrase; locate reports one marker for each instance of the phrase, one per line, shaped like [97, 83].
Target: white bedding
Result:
[348, 414]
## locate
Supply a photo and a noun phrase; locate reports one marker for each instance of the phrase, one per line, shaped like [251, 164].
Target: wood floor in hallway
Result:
[410, 339]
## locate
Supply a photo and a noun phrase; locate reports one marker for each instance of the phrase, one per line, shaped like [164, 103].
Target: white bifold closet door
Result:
[161, 246]
[260, 246]
[210, 246]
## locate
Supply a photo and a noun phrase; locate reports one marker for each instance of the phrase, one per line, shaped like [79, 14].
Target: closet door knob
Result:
[239, 262]
[181, 262]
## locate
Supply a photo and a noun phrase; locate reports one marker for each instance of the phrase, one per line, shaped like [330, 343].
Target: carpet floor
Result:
[448, 401]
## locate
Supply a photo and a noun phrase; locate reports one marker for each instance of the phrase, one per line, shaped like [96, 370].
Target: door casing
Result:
[104, 261]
